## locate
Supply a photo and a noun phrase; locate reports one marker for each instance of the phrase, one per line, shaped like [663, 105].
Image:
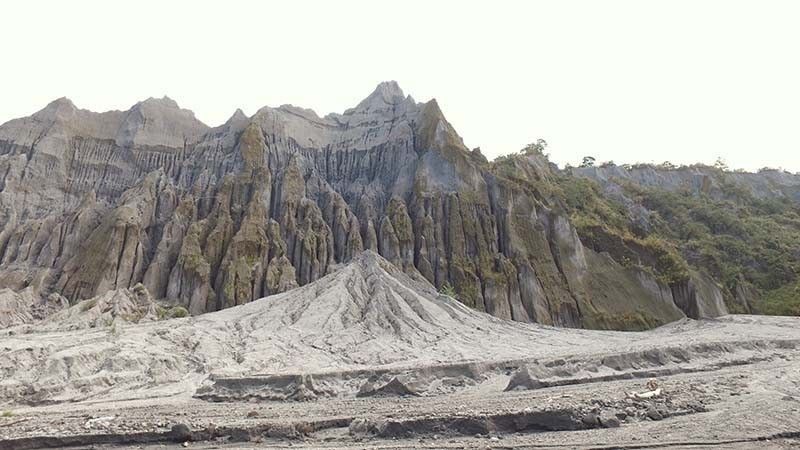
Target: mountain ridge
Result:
[215, 217]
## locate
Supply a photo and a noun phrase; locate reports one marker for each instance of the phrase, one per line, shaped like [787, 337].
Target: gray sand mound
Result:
[367, 318]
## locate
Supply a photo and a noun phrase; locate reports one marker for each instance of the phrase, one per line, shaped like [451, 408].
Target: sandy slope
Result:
[367, 315]
[427, 365]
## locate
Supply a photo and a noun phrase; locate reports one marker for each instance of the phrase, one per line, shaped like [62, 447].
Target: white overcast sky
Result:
[684, 81]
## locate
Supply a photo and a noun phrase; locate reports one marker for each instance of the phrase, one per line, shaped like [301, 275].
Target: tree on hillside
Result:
[588, 161]
[535, 148]
[720, 164]
[667, 166]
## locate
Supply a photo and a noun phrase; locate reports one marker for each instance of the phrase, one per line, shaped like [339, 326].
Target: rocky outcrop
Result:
[19, 308]
[745, 297]
[215, 217]
[124, 305]
[699, 297]
[55, 313]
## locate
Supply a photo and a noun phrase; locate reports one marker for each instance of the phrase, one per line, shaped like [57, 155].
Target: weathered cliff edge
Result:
[209, 218]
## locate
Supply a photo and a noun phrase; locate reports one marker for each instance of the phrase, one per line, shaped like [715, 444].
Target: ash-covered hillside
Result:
[208, 218]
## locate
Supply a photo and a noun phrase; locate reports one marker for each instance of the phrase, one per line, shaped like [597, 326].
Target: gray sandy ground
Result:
[369, 357]
[745, 406]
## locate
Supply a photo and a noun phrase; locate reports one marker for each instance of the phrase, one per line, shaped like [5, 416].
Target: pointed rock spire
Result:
[386, 95]
[163, 102]
[238, 115]
[389, 89]
[60, 108]
[238, 119]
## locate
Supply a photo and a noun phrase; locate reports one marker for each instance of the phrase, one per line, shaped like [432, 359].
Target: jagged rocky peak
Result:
[389, 89]
[238, 116]
[436, 130]
[306, 113]
[163, 102]
[236, 122]
[385, 115]
[386, 103]
[387, 95]
[211, 218]
[159, 122]
[60, 108]
[153, 123]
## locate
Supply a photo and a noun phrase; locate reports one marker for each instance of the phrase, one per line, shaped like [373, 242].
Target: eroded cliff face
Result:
[215, 217]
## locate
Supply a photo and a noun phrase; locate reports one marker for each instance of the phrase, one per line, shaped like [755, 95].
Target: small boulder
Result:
[180, 432]
[590, 419]
[654, 413]
[361, 427]
[394, 388]
[523, 380]
[303, 394]
[609, 419]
